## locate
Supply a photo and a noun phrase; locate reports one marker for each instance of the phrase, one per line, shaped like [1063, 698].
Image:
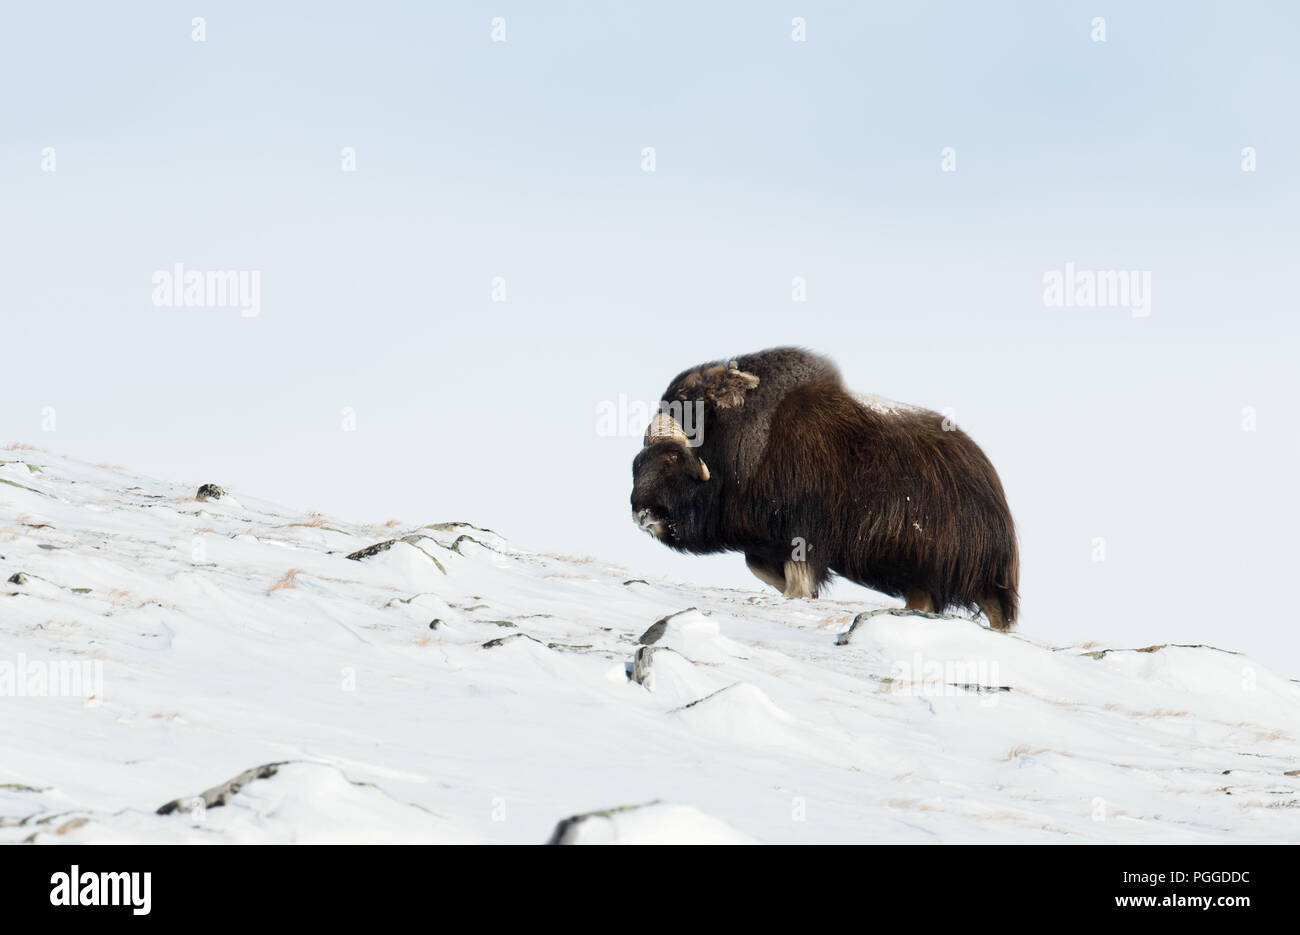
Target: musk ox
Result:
[783, 463]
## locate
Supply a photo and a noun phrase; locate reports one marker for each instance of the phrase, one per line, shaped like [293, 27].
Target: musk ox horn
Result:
[665, 427]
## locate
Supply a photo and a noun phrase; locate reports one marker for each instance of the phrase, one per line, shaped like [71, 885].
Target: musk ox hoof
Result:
[800, 580]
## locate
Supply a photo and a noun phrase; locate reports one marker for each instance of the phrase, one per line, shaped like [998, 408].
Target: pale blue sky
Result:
[775, 159]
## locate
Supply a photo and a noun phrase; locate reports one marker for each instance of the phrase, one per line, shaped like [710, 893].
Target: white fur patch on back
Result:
[882, 405]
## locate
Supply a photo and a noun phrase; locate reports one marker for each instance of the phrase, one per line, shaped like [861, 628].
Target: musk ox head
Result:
[667, 478]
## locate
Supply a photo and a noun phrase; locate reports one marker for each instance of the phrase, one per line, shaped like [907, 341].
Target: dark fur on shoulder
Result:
[808, 480]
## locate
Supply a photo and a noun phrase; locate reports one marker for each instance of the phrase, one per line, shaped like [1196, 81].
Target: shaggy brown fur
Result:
[808, 481]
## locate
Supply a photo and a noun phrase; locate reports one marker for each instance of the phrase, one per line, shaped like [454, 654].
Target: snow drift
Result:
[221, 670]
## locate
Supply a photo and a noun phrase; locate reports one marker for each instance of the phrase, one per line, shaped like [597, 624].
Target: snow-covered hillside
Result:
[453, 687]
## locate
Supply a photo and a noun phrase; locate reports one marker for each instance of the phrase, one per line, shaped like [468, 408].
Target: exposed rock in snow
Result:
[220, 795]
[451, 686]
[653, 823]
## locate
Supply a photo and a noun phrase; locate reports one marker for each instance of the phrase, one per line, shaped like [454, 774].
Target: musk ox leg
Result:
[919, 600]
[768, 574]
[992, 610]
[801, 580]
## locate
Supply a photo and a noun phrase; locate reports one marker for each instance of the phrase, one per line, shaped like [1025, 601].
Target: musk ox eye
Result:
[672, 459]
